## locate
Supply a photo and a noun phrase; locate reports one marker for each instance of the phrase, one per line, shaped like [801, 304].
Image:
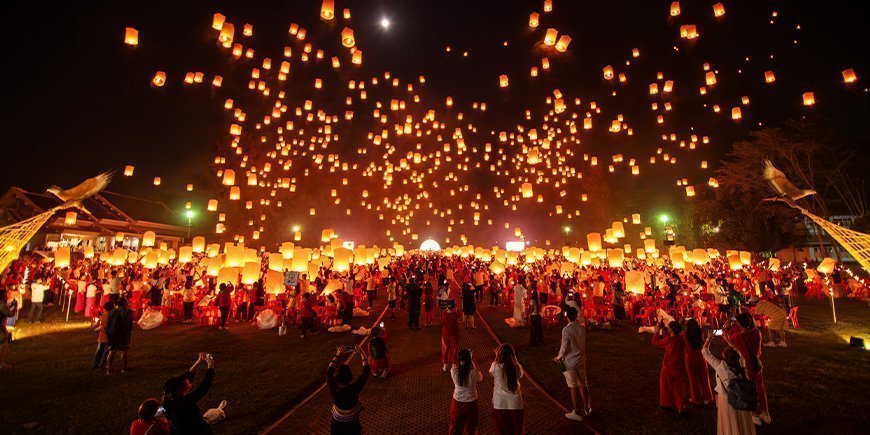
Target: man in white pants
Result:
[37, 296]
[573, 354]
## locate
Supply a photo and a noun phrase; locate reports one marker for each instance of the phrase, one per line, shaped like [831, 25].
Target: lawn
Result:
[816, 385]
[53, 389]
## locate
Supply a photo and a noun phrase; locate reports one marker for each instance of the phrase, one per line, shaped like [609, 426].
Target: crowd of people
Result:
[682, 307]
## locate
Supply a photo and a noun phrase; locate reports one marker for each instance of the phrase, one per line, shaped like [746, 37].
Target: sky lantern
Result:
[159, 79]
[251, 272]
[217, 21]
[198, 244]
[527, 191]
[550, 37]
[533, 20]
[235, 193]
[690, 191]
[710, 78]
[635, 219]
[70, 218]
[675, 9]
[769, 77]
[827, 266]
[562, 44]
[809, 99]
[128, 170]
[229, 178]
[227, 33]
[593, 241]
[718, 9]
[131, 36]
[327, 10]
[548, 5]
[347, 39]
[212, 205]
[736, 114]
[148, 238]
[62, 257]
[156, 181]
[615, 257]
[503, 81]
[849, 76]
[608, 72]
[634, 282]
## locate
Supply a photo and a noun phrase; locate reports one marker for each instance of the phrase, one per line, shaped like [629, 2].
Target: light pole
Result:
[189, 214]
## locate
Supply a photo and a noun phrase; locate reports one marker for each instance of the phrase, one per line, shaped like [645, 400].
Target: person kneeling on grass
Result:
[180, 399]
[379, 357]
[345, 391]
[149, 423]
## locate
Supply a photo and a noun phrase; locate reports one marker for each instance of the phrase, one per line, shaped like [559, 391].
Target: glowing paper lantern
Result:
[769, 77]
[773, 264]
[593, 240]
[503, 81]
[327, 10]
[347, 39]
[251, 272]
[550, 37]
[496, 267]
[62, 257]
[185, 254]
[675, 9]
[341, 259]
[849, 76]
[533, 20]
[634, 282]
[527, 191]
[148, 238]
[274, 282]
[131, 36]
[736, 113]
[746, 258]
[718, 9]
[635, 219]
[809, 99]
[615, 257]
[228, 275]
[827, 266]
[618, 229]
[734, 262]
[70, 218]
[151, 259]
[562, 44]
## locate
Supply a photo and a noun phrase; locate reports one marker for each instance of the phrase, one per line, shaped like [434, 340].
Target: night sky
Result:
[77, 101]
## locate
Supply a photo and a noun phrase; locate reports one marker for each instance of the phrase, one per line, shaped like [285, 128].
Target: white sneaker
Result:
[574, 416]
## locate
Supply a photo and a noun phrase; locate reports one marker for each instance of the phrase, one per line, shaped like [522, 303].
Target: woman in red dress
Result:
[672, 381]
[699, 376]
[449, 336]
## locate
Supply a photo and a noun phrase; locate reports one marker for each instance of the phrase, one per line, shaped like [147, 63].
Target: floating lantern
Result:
[615, 257]
[809, 99]
[827, 266]
[503, 81]
[718, 9]
[675, 9]
[131, 36]
[148, 238]
[327, 10]
[562, 44]
[769, 77]
[593, 241]
[550, 37]
[649, 245]
[849, 76]
[62, 257]
[251, 272]
[347, 39]
[235, 193]
[217, 21]
[198, 244]
[734, 262]
[185, 254]
[634, 282]
[635, 219]
[533, 20]
[70, 218]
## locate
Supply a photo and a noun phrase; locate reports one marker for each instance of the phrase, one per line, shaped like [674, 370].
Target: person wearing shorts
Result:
[572, 354]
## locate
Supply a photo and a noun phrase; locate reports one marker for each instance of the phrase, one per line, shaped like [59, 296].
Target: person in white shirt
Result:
[519, 307]
[573, 354]
[507, 394]
[728, 420]
[463, 408]
[37, 296]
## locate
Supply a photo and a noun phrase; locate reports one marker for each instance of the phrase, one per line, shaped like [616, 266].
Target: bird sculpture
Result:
[73, 197]
[787, 191]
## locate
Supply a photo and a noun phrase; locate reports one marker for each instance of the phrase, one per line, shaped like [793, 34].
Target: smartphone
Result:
[687, 319]
[717, 332]
[733, 319]
[381, 324]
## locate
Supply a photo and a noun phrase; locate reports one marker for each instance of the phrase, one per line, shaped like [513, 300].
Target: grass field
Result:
[817, 385]
[261, 375]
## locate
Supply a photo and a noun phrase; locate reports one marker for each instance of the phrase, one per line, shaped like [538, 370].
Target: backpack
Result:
[742, 394]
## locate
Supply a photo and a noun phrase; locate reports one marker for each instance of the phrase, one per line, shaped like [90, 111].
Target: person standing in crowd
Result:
[379, 357]
[413, 295]
[469, 305]
[745, 338]
[345, 392]
[37, 297]
[536, 330]
[391, 297]
[91, 299]
[188, 298]
[449, 335]
[463, 408]
[696, 367]
[308, 314]
[428, 303]
[729, 421]
[572, 353]
[180, 399]
[119, 327]
[8, 308]
[519, 301]
[479, 282]
[507, 395]
[100, 357]
[672, 379]
[371, 289]
[224, 301]
[149, 423]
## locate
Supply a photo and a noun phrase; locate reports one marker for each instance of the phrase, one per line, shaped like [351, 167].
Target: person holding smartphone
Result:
[180, 398]
[345, 391]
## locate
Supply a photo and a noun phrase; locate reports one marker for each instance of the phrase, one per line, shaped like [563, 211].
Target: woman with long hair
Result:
[672, 378]
[507, 394]
[696, 367]
[463, 408]
[729, 421]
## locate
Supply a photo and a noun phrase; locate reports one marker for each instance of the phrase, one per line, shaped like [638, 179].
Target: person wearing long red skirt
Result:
[449, 335]
[673, 386]
[696, 367]
[463, 408]
[745, 338]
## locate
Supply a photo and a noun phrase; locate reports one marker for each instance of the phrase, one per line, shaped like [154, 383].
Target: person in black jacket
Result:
[180, 399]
[414, 296]
[345, 392]
[119, 328]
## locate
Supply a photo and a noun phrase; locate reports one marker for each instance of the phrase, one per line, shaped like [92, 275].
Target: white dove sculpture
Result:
[786, 190]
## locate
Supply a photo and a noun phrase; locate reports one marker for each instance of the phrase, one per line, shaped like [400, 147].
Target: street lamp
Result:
[664, 218]
[567, 231]
[189, 214]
